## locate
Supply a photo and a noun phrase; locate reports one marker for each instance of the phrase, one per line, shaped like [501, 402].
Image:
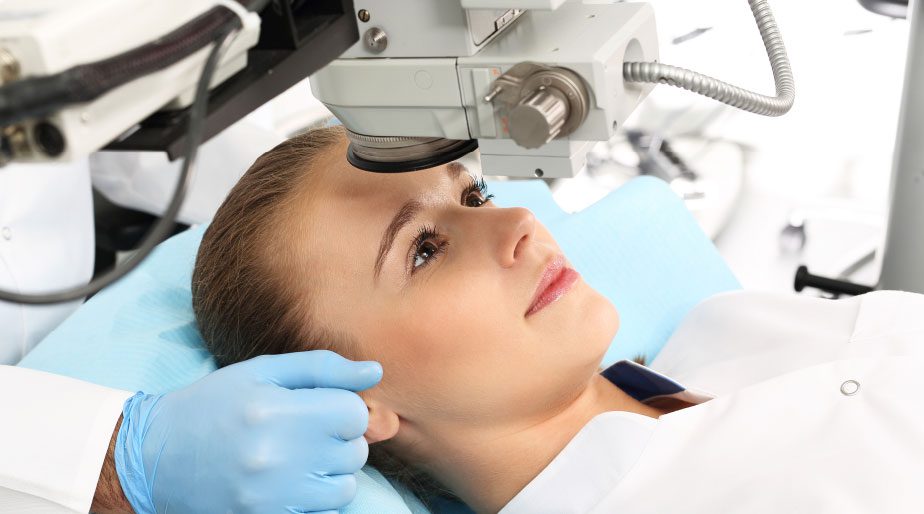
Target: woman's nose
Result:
[517, 228]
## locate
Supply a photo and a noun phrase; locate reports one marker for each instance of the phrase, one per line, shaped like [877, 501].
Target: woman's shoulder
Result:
[774, 314]
[736, 337]
[736, 323]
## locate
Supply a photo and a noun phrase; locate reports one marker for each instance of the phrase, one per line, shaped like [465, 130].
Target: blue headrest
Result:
[639, 246]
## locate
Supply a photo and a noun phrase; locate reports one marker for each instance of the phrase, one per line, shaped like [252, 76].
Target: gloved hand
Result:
[278, 433]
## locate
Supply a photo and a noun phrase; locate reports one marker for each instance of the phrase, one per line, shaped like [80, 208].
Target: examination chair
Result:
[639, 246]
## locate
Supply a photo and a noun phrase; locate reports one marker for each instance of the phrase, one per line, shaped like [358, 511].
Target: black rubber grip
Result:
[832, 285]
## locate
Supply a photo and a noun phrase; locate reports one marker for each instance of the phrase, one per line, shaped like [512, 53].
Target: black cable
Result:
[255, 5]
[164, 226]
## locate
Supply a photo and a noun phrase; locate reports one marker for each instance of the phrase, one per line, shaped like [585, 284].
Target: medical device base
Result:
[395, 154]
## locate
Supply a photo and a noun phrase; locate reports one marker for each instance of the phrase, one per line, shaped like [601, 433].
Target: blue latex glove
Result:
[278, 433]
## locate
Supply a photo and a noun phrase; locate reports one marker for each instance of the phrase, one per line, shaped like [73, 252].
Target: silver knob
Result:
[376, 40]
[539, 118]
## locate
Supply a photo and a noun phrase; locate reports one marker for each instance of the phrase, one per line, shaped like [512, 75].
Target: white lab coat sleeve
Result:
[54, 435]
[46, 244]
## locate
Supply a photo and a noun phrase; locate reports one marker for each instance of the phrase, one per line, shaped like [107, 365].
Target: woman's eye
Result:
[425, 251]
[475, 200]
[476, 194]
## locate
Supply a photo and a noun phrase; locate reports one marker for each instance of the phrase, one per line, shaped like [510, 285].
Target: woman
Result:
[491, 345]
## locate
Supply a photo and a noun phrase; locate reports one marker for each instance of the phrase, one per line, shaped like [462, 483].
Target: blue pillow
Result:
[638, 246]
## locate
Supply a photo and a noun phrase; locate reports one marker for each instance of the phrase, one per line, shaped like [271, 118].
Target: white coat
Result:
[816, 410]
[54, 431]
[46, 244]
[53, 439]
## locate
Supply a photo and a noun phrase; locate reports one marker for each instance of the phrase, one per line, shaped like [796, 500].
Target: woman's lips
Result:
[556, 280]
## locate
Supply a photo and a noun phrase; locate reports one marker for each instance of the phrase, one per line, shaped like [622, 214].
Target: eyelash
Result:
[429, 234]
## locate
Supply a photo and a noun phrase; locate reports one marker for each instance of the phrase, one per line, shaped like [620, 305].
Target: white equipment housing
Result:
[441, 59]
[50, 36]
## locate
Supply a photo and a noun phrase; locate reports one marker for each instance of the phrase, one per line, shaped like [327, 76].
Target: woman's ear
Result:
[383, 422]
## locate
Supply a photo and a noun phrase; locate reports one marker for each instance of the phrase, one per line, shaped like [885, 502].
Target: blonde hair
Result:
[243, 302]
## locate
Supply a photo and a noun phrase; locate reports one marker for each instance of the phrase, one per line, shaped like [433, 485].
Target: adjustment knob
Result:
[538, 118]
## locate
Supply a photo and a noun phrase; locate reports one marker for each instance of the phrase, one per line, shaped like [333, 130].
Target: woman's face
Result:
[437, 285]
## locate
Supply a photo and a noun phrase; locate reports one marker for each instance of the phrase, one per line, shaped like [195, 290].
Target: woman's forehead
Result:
[361, 204]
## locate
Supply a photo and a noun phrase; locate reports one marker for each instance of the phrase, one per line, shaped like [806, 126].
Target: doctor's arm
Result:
[109, 498]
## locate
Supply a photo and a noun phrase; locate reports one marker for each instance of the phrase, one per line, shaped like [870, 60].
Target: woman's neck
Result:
[487, 468]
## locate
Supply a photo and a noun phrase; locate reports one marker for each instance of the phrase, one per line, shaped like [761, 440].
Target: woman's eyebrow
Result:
[405, 215]
[455, 169]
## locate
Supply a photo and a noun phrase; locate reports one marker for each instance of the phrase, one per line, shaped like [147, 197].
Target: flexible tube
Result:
[653, 72]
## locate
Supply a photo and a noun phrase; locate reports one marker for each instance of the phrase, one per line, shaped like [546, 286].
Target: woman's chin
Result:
[586, 332]
[604, 323]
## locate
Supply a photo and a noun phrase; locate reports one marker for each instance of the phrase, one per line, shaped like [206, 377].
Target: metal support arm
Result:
[903, 257]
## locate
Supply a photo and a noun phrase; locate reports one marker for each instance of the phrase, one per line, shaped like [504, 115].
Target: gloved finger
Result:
[347, 457]
[343, 413]
[316, 368]
[323, 492]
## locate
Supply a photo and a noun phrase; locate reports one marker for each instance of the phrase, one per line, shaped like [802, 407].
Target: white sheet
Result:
[781, 436]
